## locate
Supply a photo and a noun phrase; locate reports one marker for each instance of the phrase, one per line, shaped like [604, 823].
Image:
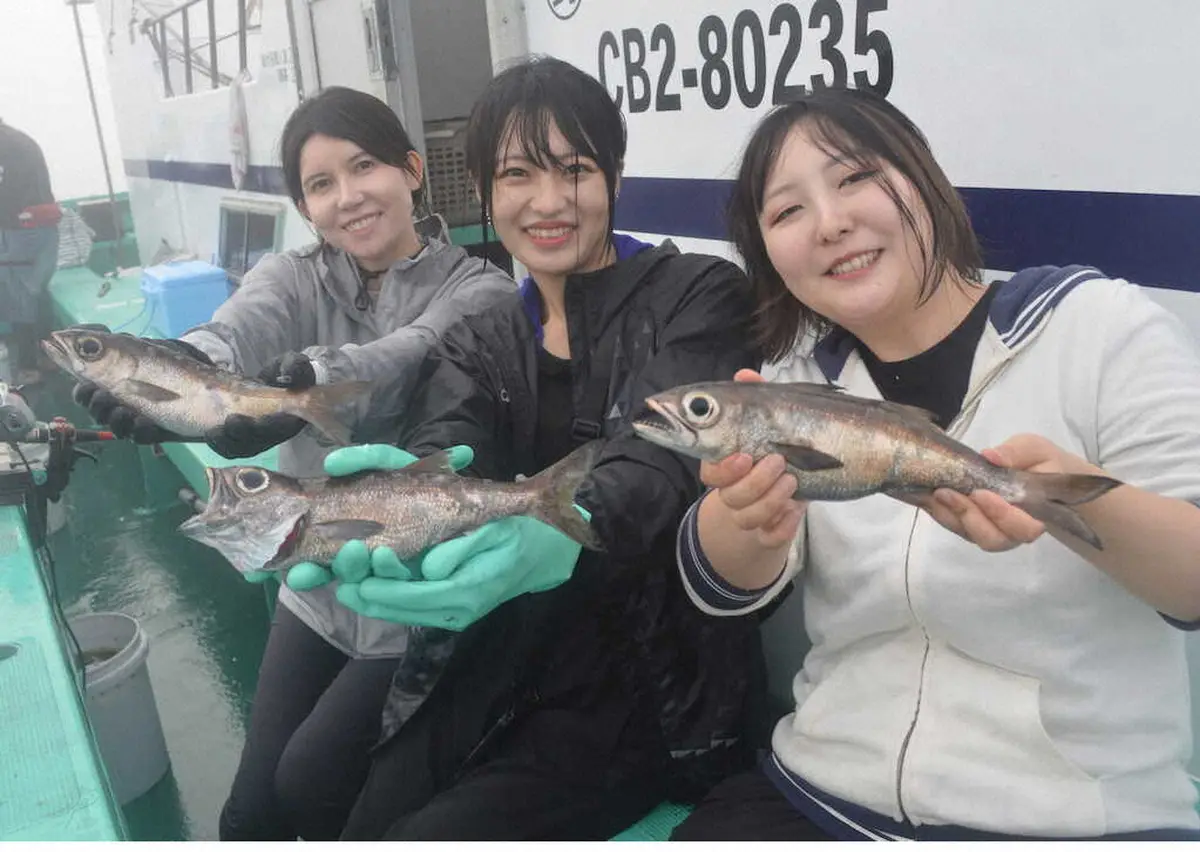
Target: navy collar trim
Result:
[845, 820]
[626, 247]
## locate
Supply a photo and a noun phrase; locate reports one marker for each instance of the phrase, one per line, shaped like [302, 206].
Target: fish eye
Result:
[251, 480]
[89, 348]
[701, 408]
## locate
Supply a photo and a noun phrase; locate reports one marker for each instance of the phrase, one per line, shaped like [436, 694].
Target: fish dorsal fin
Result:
[438, 462]
[804, 457]
[147, 391]
[816, 387]
[910, 411]
[840, 392]
[345, 529]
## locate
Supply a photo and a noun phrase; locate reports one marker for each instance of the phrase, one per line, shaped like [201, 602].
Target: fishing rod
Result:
[30, 485]
[35, 484]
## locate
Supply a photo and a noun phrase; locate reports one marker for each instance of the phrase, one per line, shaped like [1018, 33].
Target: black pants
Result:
[28, 257]
[509, 797]
[747, 807]
[315, 717]
[24, 342]
[553, 775]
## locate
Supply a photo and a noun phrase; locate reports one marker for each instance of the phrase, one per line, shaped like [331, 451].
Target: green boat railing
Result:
[53, 785]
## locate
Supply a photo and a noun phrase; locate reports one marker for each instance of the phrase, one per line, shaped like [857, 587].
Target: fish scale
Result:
[262, 520]
[416, 509]
[185, 395]
[844, 447]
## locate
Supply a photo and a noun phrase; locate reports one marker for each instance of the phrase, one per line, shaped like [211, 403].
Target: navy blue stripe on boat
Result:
[1147, 238]
[1143, 237]
[265, 179]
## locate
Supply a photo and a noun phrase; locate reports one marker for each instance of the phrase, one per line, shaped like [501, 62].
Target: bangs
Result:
[515, 115]
[837, 142]
[528, 130]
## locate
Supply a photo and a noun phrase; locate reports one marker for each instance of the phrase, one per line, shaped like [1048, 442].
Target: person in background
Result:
[368, 301]
[572, 692]
[974, 673]
[29, 219]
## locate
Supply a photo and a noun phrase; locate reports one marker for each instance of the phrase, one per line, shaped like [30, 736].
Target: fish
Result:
[845, 447]
[261, 520]
[187, 396]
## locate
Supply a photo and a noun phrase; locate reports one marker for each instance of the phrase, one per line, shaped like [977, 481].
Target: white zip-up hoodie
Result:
[1023, 692]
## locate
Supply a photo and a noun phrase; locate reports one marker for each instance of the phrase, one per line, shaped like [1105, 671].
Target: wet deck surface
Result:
[207, 627]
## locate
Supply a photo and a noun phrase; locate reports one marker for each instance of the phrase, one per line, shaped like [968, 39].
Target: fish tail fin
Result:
[555, 489]
[1050, 496]
[319, 406]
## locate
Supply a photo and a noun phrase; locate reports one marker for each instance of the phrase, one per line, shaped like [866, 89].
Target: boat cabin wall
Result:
[1068, 126]
[177, 144]
[176, 135]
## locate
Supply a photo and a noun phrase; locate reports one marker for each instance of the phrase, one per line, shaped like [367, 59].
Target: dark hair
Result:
[522, 100]
[344, 114]
[862, 126]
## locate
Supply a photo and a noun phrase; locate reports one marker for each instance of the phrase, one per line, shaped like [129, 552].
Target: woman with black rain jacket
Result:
[367, 302]
[571, 712]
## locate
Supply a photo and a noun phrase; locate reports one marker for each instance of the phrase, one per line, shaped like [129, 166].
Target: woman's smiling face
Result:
[836, 236]
[358, 203]
[553, 217]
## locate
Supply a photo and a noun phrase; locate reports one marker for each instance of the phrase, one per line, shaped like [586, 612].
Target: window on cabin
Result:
[247, 233]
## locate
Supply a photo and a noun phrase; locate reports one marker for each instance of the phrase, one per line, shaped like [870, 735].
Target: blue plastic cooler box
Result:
[183, 294]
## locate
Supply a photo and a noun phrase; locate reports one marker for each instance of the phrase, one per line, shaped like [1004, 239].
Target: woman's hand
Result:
[988, 520]
[757, 497]
[747, 523]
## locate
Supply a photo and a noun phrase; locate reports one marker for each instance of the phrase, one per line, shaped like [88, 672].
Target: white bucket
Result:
[120, 702]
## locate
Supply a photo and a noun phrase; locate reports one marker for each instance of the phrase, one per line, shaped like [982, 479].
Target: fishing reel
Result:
[31, 477]
[16, 417]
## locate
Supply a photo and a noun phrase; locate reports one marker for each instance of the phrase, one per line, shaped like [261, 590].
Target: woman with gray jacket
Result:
[368, 301]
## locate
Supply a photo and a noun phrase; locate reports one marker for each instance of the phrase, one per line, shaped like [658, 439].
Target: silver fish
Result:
[261, 520]
[184, 395]
[843, 447]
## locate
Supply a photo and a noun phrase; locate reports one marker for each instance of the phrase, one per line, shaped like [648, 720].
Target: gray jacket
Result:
[305, 301]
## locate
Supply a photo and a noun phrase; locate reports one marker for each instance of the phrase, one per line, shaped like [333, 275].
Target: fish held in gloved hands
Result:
[265, 521]
[843, 447]
[184, 395]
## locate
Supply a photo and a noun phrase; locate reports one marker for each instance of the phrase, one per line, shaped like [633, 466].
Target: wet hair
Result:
[523, 100]
[860, 126]
[344, 114]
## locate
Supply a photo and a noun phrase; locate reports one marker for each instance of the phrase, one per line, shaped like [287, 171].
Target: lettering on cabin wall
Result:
[726, 60]
[280, 62]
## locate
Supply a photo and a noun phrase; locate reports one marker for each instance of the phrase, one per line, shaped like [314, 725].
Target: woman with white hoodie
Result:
[974, 673]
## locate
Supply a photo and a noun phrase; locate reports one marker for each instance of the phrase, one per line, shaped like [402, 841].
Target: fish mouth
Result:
[57, 351]
[286, 547]
[209, 519]
[663, 426]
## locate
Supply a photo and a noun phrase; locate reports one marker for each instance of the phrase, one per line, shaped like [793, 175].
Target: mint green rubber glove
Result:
[467, 577]
[354, 558]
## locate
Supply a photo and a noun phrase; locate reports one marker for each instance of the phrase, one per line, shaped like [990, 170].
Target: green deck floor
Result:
[53, 785]
[207, 627]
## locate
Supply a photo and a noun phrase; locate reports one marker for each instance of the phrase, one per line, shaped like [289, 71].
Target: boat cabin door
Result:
[428, 59]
